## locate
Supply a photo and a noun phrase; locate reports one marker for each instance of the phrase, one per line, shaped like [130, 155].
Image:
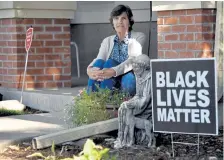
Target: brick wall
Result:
[186, 33]
[49, 64]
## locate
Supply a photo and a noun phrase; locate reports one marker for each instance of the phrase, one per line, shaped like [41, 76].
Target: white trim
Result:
[180, 5]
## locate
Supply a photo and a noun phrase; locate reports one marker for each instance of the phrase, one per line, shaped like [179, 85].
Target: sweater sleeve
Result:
[126, 66]
[103, 51]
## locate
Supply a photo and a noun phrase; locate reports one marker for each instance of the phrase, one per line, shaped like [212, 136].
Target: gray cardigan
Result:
[106, 49]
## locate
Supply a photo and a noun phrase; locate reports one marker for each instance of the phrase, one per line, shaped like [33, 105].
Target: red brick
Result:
[44, 50]
[160, 38]
[43, 36]
[37, 43]
[62, 50]
[35, 85]
[163, 46]
[34, 71]
[171, 37]
[171, 20]
[187, 37]
[22, 64]
[8, 78]
[178, 12]
[160, 54]
[3, 57]
[62, 64]
[186, 19]
[53, 84]
[52, 57]
[163, 28]
[3, 43]
[53, 43]
[53, 70]
[36, 57]
[199, 28]
[176, 46]
[186, 54]
[43, 21]
[38, 29]
[199, 45]
[163, 13]
[67, 29]
[6, 21]
[19, 79]
[179, 28]
[15, 71]
[67, 70]
[5, 37]
[205, 19]
[15, 29]
[44, 64]
[67, 57]
[25, 21]
[3, 29]
[204, 36]
[12, 57]
[61, 77]
[44, 78]
[18, 36]
[16, 57]
[159, 21]
[171, 54]
[200, 11]
[8, 64]
[62, 36]
[16, 43]
[66, 43]
[62, 21]
[53, 29]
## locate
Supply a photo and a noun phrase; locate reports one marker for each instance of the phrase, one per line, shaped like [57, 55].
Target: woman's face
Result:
[121, 22]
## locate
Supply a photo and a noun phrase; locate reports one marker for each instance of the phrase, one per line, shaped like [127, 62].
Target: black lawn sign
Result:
[184, 96]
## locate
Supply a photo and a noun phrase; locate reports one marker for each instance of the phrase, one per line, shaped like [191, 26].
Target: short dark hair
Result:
[118, 10]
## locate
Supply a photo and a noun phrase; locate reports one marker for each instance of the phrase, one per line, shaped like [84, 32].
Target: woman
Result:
[108, 69]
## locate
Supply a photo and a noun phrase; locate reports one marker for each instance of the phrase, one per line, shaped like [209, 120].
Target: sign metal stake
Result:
[28, 41]
[184, 143]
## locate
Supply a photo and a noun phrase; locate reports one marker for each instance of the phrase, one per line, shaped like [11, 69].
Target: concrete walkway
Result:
[14, 129]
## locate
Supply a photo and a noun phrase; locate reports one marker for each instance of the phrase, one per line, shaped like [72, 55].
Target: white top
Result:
[107, 47]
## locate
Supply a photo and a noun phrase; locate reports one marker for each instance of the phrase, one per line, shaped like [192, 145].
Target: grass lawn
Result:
[5, 112]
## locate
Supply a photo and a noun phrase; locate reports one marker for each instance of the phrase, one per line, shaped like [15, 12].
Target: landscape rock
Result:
[12, 105]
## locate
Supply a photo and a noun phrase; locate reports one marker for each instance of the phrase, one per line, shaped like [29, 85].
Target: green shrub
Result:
[91, 108]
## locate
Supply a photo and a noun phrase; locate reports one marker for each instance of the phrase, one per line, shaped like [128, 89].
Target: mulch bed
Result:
[211, 148]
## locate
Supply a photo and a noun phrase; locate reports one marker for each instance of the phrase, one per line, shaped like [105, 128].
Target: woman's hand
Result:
[93, 72]
[106, 74]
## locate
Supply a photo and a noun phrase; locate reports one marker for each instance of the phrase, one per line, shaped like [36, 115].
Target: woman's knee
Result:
[99, 63]
[110, 63]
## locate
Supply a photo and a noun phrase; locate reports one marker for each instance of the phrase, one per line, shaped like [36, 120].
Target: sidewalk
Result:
[15, 129]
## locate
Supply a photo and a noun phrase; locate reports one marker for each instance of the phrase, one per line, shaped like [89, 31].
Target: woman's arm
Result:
[93, 72]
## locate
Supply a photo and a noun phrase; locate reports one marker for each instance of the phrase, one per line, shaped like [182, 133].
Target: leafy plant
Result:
[91, 107]
[93, 152]
[90, 152]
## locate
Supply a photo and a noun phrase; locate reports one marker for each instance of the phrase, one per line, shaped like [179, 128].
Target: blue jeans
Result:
[125, 82]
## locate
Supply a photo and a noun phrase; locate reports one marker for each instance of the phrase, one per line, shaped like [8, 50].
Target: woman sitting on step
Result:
[111, 66]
